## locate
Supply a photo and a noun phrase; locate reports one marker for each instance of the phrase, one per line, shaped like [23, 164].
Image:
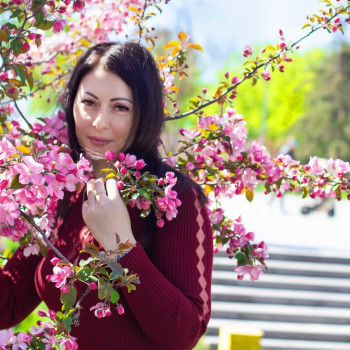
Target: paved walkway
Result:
[289, 228]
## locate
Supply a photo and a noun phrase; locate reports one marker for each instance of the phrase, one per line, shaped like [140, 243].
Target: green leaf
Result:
[16, 46]
[16, 13]
[39, 17]
[135, 195]
[93, 278]
[249, 195]
[68, 299]
[15, 184]
[3, 35]
[115, 267]
[24, 241]
[41, 22]
[30, 81]
[130, 287]
[105, 290]
[306, 192]
[83, 275]
[143, 192]
[43, 249]
[11, 26]
[68, 322]
[115, 296]
[145, 212]
[83, 262]
[110, 175]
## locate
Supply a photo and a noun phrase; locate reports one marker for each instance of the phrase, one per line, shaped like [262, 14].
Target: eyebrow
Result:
[112, 99]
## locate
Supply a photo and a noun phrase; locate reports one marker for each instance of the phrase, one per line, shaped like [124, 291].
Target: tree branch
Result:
[246, 76]
[42, 233]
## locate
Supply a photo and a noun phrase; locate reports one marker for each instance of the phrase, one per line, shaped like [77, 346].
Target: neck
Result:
[98, 165]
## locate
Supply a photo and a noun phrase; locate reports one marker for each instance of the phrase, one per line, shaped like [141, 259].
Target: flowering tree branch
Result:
[30, 219]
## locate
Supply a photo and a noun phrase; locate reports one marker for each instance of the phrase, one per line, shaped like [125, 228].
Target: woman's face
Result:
[103, 113]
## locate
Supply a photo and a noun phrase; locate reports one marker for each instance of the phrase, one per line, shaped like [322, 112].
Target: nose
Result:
[101, 119]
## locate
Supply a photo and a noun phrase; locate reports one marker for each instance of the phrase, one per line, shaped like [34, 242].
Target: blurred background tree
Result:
[324, 129]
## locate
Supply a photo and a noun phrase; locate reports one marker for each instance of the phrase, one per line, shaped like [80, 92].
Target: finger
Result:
[112, 190]
[90, 187]
[100, 189]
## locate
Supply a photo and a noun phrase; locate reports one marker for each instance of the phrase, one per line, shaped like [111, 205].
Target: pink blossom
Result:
[266, 75]
[249, 178]
[172, 161]
[191, 134]
[170, 178]
[26, 46]
[64, 163]
[314, 166]
[121, 156]
[32, 249]
[235, 80]
[58, 25]
[60, 275]
[120, 309]
[30, 171]
[53, 125]
[190, 166]
[64, 289]
[101, 310]
[216, 216]
[52, 314]
[71, 182]
[248, 50]
[253, 271]
[140, 164]
[110, 156]
[78, 6]
[9, 212]
[54, 261]
[160, 223]
[130, 160]
[5, 336]
[68, 344]
[4, 76]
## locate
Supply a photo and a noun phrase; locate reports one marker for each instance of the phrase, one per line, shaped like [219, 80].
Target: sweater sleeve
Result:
[18, 293]
[173, 303]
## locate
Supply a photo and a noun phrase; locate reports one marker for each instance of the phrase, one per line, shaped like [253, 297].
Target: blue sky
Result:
[225, 26]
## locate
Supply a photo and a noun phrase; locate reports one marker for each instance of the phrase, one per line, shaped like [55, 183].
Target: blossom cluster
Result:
[47, 335]
[144, 190]
[94, 274]
[33, 178]
[216, 155]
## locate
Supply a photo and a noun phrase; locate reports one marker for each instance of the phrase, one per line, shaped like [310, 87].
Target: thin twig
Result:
[77, 306]
[139, 25]
[246, 76]
[42, 233]
[22, 115]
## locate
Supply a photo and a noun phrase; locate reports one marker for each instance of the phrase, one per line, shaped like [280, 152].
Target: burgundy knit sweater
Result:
[169, 310]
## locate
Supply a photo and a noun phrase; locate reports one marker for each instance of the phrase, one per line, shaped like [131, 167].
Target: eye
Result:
[121, 108]
[88, 103]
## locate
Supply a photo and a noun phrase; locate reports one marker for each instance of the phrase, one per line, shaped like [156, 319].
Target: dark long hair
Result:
[136, 66]
[138, 69]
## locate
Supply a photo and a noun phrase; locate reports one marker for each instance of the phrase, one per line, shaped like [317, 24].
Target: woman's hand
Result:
[105, 214]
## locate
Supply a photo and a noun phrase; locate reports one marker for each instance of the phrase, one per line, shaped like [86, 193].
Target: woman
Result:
[114, 102]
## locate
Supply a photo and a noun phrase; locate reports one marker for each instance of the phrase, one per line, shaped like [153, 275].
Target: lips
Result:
[97, 141]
